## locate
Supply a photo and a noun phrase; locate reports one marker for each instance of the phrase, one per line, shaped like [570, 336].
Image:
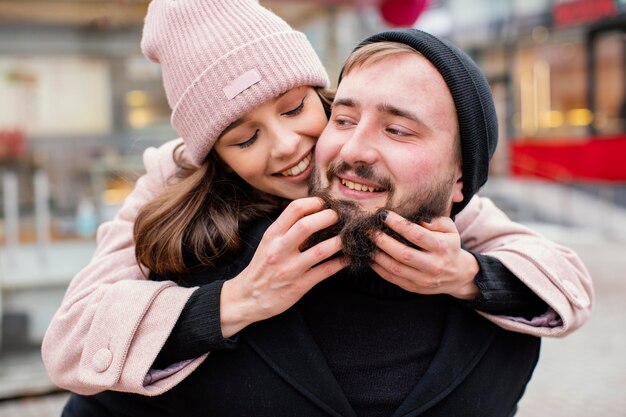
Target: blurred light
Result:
[535, 99]
[551, 119]
[528, 119]
[138, 118]
[114, 196]
[136, 98]
[540, 34]
[541, 73]
[580, 117]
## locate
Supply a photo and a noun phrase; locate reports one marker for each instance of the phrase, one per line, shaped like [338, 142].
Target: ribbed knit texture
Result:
[478, 122]
[204, 331]
[501, 293]
[206, 46]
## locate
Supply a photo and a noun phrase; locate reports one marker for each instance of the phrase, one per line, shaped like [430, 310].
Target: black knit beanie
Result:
[478, 123]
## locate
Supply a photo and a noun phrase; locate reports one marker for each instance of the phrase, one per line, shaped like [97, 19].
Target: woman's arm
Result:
[270, 276]
[112, 321]
[528, 283]
[554, 272]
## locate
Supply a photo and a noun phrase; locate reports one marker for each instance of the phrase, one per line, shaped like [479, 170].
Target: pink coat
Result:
[113, 321]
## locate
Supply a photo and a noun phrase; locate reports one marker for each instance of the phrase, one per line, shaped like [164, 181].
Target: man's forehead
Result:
[403, 71]
[407, 81]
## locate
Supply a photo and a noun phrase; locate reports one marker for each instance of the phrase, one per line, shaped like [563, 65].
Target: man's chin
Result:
[355, 227]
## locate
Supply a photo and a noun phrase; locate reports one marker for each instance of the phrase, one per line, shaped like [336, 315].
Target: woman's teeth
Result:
[298, 169]
[360, 187]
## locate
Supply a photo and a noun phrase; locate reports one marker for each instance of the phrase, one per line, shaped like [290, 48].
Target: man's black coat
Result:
[278, 370]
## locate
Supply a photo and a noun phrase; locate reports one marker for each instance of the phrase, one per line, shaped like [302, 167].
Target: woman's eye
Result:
[295, 111]
[249, 141]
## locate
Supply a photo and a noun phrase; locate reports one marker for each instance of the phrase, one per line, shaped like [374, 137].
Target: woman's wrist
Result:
[235, 309]
[469, 290]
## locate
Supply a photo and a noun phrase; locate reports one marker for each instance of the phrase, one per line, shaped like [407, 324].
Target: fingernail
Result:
[382, 214]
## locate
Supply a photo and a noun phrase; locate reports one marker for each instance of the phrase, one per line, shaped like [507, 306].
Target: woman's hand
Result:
[279, 273]
[440, 266]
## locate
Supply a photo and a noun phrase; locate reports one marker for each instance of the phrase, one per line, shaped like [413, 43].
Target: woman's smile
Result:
[298, 168]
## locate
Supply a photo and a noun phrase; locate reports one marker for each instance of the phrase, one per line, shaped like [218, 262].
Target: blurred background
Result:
[79, 103]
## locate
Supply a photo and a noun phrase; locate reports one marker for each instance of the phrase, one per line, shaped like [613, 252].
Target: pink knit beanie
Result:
[222, 58]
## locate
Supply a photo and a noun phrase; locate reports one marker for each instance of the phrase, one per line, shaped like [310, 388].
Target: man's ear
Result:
[457, 188]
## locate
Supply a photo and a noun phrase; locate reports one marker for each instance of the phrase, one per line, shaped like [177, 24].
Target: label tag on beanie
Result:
[241, 83]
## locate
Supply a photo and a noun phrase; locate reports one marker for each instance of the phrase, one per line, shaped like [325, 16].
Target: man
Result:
[417, 143]
[397, 144]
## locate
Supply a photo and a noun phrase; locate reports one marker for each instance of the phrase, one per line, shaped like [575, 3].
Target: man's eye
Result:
[397, 132]
[295, 111]
[249, 141]
[342, 121]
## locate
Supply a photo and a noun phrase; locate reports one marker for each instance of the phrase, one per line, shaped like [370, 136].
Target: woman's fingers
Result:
[414, 233]
[324, 270]
[441, 224]
[308, 225]
[399, 251]
[426, 236]
[295, 211]
[323, 250]
[408, 278]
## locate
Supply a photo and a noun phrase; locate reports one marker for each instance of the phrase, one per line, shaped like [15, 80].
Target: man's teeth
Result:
[359, 187]
[298, 169]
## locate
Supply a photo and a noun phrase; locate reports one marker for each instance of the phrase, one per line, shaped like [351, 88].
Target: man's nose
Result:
[360, 147]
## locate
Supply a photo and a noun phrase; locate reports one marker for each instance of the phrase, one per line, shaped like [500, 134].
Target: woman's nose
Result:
[286, 143]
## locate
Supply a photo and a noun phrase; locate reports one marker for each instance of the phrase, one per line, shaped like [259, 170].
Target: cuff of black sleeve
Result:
[198, 329]
[204, 321]
[502, 293]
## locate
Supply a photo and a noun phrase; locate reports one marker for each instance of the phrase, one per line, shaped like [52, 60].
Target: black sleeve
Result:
[198, 328]
[502, 293]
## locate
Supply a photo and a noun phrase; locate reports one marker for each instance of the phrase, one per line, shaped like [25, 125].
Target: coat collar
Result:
[466, 338]
[286, 345]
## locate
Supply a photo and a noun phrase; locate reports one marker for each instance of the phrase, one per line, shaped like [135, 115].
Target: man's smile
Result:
[360, 186]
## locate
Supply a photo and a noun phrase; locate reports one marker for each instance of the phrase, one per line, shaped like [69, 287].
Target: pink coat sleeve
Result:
[554, 272]
[112, 321]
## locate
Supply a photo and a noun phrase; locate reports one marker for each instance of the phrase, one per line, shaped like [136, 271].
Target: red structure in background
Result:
[400, 13]
[582, 11]
[12, 144]
[596, 159]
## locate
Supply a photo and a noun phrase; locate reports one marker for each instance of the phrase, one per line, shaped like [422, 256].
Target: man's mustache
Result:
[363, 171]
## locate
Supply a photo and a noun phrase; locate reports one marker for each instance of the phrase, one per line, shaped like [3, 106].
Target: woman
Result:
[113, 322]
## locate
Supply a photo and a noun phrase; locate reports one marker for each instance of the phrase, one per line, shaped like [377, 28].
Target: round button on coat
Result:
[102, 360]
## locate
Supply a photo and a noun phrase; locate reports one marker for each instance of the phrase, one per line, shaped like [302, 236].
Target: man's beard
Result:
[356, 226]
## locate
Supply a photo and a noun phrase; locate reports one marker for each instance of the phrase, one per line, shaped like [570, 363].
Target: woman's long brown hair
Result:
[199, 216]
